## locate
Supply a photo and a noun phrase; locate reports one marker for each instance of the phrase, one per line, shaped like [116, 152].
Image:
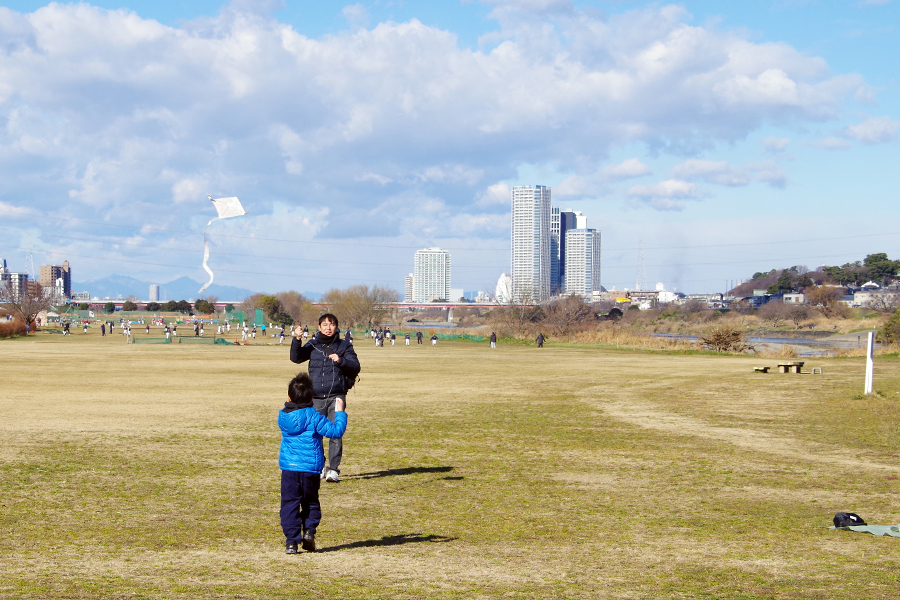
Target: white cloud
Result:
[627, 169]
[666, 195]
[494, 195]
[356, 15]
[189, 190]
[874, 130]
[769, 172]
[131, 117]
[775, 143]
[711, 171]
[830, 143]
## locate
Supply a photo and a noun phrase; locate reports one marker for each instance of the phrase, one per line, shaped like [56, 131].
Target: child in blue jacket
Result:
[301, 460]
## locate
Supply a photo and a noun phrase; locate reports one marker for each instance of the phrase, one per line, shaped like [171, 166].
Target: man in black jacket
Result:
[333, 366]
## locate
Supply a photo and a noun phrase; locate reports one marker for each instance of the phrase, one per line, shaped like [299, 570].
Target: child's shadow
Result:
[391, 540]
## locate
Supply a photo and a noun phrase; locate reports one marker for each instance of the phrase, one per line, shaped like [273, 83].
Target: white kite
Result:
[226, 207]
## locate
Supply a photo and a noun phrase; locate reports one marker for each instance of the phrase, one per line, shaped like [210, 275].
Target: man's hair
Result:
[300, 390]
[329, 317]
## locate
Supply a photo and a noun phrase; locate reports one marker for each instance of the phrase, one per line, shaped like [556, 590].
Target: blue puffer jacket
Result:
[302, 431]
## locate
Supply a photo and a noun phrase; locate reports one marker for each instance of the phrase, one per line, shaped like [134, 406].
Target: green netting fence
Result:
[148, 340]
[426, 333]
[209, 341]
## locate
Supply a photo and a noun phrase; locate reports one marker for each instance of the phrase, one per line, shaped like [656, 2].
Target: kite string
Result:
[206, 257]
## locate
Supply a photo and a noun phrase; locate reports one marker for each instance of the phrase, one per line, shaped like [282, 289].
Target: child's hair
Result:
[300, 390]
[329, 317]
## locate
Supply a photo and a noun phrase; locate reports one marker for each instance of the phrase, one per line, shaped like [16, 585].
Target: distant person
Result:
[168, 332]
[148, 328]
[263, 328]
[393, 337]
[434, 339]
[493, 340]
[540, 340]
[333, 367]
[349, 336]
[102, 329]
[419, 338]
[301, 460]
[407, 339]
[281, 337]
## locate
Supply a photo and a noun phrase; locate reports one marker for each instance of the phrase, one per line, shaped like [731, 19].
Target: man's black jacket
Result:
[328, 377]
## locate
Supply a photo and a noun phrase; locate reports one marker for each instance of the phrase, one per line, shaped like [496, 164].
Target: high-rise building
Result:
[555, 282]
[50, 274]
[531, 259]
[18, 283]
[582, 261]
[154, 292]
[568, 219]
[503, 291]
[408, 286]
[431, 280]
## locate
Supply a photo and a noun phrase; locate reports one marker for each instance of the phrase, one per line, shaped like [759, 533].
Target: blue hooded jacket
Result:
[302, 431]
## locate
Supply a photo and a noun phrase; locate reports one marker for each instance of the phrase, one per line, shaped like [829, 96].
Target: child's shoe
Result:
[290, 548]
[309, 541]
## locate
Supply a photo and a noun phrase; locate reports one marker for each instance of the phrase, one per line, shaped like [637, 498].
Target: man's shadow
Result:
[391, 540]
[404, 471]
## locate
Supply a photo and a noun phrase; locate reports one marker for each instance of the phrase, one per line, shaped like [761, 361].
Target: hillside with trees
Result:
[875, 267]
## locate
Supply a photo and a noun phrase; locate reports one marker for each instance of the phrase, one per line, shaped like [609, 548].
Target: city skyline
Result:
[730, 137]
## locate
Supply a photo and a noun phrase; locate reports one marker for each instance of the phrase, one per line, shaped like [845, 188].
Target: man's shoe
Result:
[290, 548]
[332, 476]
[309, 541]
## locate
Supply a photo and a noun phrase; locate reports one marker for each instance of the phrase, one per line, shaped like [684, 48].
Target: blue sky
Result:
[723, 138]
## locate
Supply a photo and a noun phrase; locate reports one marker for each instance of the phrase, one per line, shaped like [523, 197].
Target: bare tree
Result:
[567, 315]
[827, 299]
[26, 303]
[773, 312]
[798, 313]
[298, 306]
[885, 301]
[726, 339]
[360, 304]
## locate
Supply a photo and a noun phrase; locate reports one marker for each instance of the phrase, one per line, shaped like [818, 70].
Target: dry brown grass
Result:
[150, 472]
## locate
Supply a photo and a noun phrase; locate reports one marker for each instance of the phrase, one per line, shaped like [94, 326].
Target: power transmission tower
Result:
[29, 258]
[640, 279]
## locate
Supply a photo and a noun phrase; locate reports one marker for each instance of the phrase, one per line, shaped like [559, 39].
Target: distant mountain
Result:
[183, 288]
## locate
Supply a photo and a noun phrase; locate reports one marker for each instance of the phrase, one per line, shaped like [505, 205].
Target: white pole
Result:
[869, 362]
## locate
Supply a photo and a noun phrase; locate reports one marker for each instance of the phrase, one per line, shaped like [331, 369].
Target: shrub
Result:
[12, 328]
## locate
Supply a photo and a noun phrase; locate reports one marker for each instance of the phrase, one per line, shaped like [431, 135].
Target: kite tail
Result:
[205, 258]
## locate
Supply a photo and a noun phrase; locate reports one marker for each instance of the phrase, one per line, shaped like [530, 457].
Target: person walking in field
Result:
[407, 339]
[301, 460]
[281, 337]
[493, 340]
[333, 367]
[434, 339]
[540, 340]
[419, 338]
[168, 333]
[102, 329]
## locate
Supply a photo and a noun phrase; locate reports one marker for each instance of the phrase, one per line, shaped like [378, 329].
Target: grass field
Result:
[150, 471]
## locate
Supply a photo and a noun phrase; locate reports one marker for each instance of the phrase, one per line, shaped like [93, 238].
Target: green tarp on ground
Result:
[891, 530]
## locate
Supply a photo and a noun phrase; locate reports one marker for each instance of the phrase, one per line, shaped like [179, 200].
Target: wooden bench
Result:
[761, 369]
[786, 367]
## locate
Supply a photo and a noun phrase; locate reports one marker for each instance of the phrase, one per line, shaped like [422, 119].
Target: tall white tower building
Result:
[154, 292]
[431, 280]
[531, 257]
[582, 261]
[408, 283]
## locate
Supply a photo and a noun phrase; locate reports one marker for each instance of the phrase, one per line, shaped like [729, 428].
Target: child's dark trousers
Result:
[300, 507]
